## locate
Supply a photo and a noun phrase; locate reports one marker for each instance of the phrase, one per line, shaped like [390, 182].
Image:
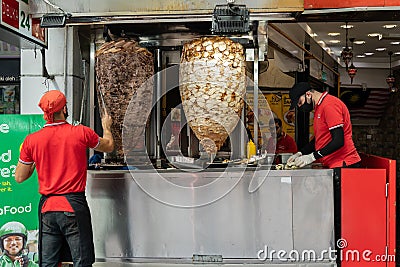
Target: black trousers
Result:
[66, 236]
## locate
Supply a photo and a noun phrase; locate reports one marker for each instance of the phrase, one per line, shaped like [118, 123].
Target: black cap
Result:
[297, 91]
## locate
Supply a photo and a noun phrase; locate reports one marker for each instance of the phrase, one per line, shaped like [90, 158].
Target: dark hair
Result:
[276, 120]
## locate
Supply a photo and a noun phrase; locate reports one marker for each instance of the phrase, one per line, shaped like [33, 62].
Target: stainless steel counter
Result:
[234, 216]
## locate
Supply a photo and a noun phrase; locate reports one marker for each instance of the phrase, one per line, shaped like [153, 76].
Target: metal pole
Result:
[255, 88]
[92, 84]
[158, 108]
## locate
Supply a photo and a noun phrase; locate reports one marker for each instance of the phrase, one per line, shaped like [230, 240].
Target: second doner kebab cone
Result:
[212, 78]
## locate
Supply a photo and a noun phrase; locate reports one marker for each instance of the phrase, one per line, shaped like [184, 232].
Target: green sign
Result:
[18, 202]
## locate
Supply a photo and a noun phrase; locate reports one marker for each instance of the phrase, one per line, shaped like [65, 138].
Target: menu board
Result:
[18, 202]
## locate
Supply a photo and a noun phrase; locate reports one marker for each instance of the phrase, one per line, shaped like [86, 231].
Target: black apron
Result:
[82, 214]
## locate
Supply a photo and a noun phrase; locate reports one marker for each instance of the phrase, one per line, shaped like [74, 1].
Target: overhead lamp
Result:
[390, 80]
[359, 42]
[346, 54]
[352, 71]
[389, 26]
[374, 34]
[54, 20]
[346, 26]
[230, 19]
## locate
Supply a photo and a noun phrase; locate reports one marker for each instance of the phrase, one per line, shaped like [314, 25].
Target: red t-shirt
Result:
[285, 144]
[59, 152]
[331, 112]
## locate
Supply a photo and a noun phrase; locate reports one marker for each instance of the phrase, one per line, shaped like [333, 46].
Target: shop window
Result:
[9, 86]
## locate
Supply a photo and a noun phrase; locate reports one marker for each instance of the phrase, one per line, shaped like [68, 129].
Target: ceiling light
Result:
[389, 26]
[374, 34]
[346, 26]
[359, 42]
[333, 34]
[352, 71]
[395, 43]
[334, 41]
[368, 53]
[360, 56]
[397, 53]
[380, 49]
[347, 54]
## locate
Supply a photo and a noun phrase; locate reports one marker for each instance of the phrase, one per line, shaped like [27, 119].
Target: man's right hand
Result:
[107, 141]
[106, 121]
[292, 158]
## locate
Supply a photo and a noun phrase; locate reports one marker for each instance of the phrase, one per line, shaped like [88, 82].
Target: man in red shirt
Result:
[279, 142]
[59, 153]
[333, 143]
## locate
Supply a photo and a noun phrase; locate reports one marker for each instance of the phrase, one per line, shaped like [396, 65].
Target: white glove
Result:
[292, 158]
[304, 160]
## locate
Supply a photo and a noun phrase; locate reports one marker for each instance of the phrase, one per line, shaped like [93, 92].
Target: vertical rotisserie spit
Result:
[212, 88]
[122, 66]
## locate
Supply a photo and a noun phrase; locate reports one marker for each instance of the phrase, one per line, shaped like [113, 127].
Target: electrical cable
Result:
[54, 6]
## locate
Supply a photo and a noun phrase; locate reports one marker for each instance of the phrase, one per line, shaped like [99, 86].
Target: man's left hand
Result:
[304, 160]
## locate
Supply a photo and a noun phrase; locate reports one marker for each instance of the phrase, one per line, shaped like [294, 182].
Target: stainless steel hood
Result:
[116, 8]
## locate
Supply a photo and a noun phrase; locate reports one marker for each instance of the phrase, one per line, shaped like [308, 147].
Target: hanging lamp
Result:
[390, 80]
[347, 54]
[352, 71]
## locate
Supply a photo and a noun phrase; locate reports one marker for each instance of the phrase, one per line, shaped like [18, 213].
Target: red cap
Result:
[51, 102]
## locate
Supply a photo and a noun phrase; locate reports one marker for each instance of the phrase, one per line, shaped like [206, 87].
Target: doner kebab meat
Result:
[212, 78]
[122, 67]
